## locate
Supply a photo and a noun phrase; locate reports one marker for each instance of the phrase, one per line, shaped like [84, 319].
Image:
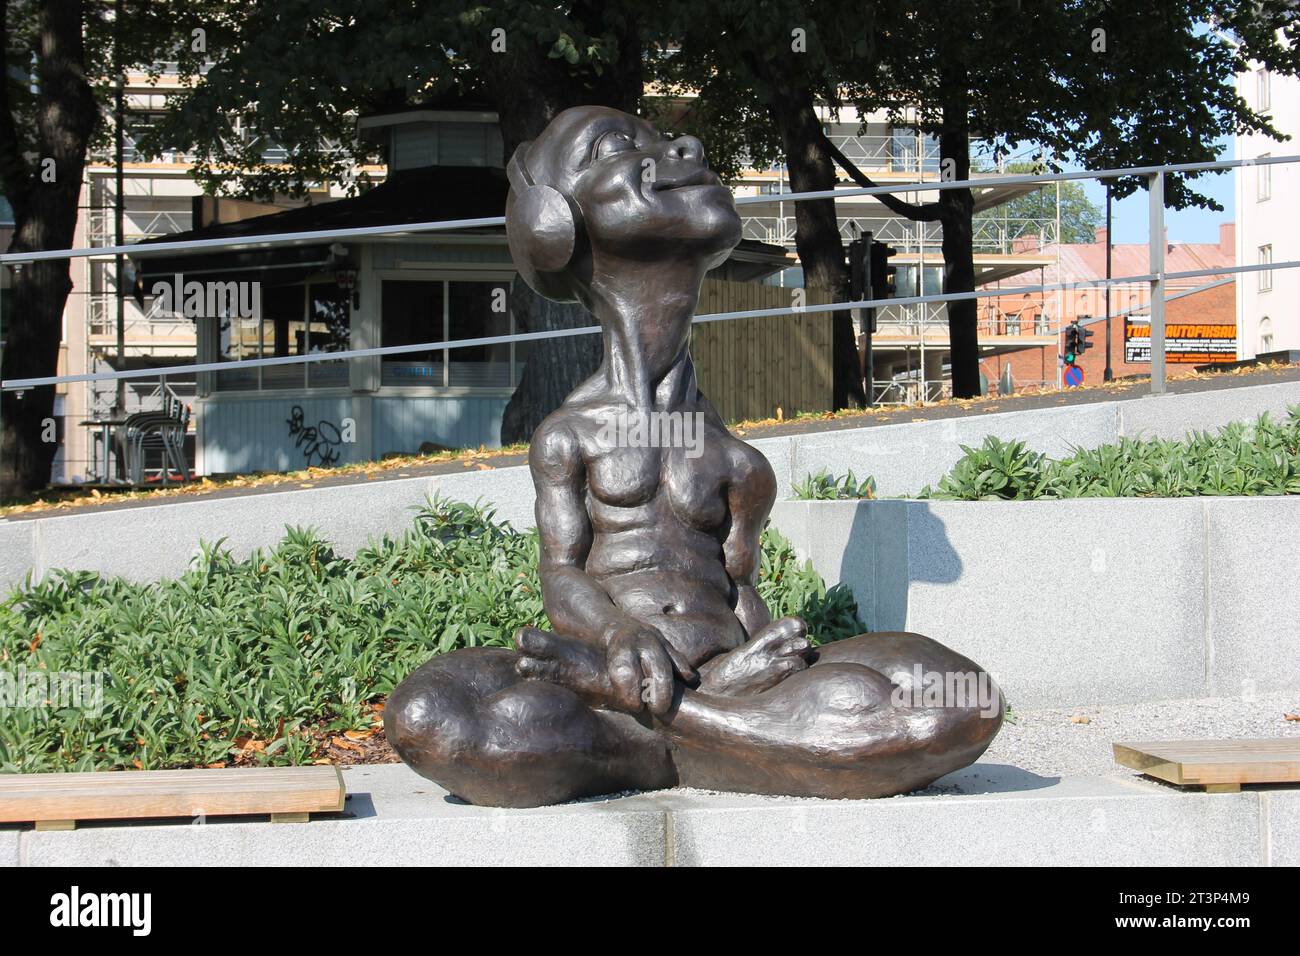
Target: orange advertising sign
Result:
[1185, 342]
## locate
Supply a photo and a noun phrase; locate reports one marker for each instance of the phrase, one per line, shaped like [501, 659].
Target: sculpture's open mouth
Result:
[702, 177]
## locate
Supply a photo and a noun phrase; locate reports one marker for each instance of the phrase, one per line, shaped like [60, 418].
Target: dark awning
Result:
[427, 194]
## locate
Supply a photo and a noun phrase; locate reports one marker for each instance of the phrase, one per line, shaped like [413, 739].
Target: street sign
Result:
[1073, 376]
[1185, 342]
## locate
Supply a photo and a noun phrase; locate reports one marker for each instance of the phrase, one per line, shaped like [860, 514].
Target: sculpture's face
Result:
[643, 195]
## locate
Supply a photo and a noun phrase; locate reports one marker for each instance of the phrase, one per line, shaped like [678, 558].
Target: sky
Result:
[1129, 215]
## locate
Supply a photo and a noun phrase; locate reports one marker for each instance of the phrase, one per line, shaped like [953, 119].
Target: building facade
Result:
[1268, 302]
[1207, 302]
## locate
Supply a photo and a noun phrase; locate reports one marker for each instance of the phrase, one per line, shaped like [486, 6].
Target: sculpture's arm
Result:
[575, 602]
[750, 496]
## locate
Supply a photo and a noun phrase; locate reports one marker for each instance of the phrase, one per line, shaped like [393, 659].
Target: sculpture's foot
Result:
[871, 716]
[468, 722]
[568, 662]
[773, 654]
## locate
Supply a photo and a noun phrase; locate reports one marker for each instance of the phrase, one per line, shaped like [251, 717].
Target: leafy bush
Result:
[825, 487]
[265, 648]
[1262, 458]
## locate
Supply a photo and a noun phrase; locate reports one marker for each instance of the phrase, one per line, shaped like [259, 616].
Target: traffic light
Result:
[881, 274]
[858, 268]
[1085, 341]
[1073, 342]
[860, 280]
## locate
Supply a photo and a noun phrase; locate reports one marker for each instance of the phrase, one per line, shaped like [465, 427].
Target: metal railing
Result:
[1156, 278]
[990, 235]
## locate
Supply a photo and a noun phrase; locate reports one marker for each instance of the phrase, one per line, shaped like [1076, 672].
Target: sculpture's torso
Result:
[659, 517]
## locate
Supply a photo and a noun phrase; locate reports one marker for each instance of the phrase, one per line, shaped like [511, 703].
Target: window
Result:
[412, 312]
[904, 149]
[1263, 96]
[1265, 275]
[291, 320]
[415, 311]
[478, 310]
[1265, 335]
[905, 280]
[329, 329]
[284, 332]
[1263, 181]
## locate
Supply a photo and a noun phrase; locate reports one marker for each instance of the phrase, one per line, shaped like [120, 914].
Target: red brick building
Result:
[1080, 262]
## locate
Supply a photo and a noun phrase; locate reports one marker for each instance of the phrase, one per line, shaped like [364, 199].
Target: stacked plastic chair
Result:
[162, 431]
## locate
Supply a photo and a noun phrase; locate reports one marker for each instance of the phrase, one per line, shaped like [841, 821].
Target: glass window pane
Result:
[410, 314]
[283, 333]
[237, 340]
[331, 331]
[478, 310]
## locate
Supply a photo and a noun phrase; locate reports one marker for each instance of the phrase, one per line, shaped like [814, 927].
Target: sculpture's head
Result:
[599, 184]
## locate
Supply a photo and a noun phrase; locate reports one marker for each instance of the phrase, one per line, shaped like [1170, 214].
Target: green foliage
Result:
[825, 487]
[1080, 216]
[791, 588]
[262, 647]
[996, 469]
[1240, 459]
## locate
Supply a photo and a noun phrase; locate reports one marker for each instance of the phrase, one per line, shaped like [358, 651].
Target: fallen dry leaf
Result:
[219, 765]
[1291, 716]
[358, 734]
[1080, 719]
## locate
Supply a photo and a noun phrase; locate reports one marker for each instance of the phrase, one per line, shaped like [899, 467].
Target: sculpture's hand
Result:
[775, 652]
[641, 665]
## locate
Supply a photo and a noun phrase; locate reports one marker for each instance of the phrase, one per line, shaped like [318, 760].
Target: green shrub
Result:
[825, 487]
[1262, 458]
[266, 647]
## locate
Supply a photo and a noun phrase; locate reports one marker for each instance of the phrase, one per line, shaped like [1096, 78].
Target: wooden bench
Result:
[1220, 766]
[56, 801]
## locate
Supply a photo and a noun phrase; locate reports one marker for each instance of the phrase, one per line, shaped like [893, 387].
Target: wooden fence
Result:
[748, 368]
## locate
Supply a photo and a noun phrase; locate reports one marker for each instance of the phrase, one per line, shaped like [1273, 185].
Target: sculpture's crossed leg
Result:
[839, 728]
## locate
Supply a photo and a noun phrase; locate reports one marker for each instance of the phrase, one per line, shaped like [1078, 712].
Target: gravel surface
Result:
[1051, 743]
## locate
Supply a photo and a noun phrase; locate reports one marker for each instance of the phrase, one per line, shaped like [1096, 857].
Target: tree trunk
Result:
[529, 88]
[46, 217]
[956, 215]
[554, 367]
[817, 232]
[32, 329]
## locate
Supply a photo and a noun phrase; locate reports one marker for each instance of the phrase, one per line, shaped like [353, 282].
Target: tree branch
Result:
[916, 212]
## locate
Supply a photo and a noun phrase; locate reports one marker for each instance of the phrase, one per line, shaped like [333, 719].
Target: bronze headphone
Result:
[543, 229]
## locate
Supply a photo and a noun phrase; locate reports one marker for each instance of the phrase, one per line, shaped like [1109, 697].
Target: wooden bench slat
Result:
[170, 793]
[1213, 762]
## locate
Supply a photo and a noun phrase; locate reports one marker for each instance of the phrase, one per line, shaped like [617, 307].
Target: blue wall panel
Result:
[267, 434]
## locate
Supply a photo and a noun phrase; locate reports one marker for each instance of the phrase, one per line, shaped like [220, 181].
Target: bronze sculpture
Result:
[664, 667]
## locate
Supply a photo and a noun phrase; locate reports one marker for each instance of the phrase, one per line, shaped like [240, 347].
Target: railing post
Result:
[1156, 266]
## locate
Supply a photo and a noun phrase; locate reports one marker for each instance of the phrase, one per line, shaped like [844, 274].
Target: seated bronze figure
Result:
[664, 667]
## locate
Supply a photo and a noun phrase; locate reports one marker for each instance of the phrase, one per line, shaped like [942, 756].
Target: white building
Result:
[1268, 197]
